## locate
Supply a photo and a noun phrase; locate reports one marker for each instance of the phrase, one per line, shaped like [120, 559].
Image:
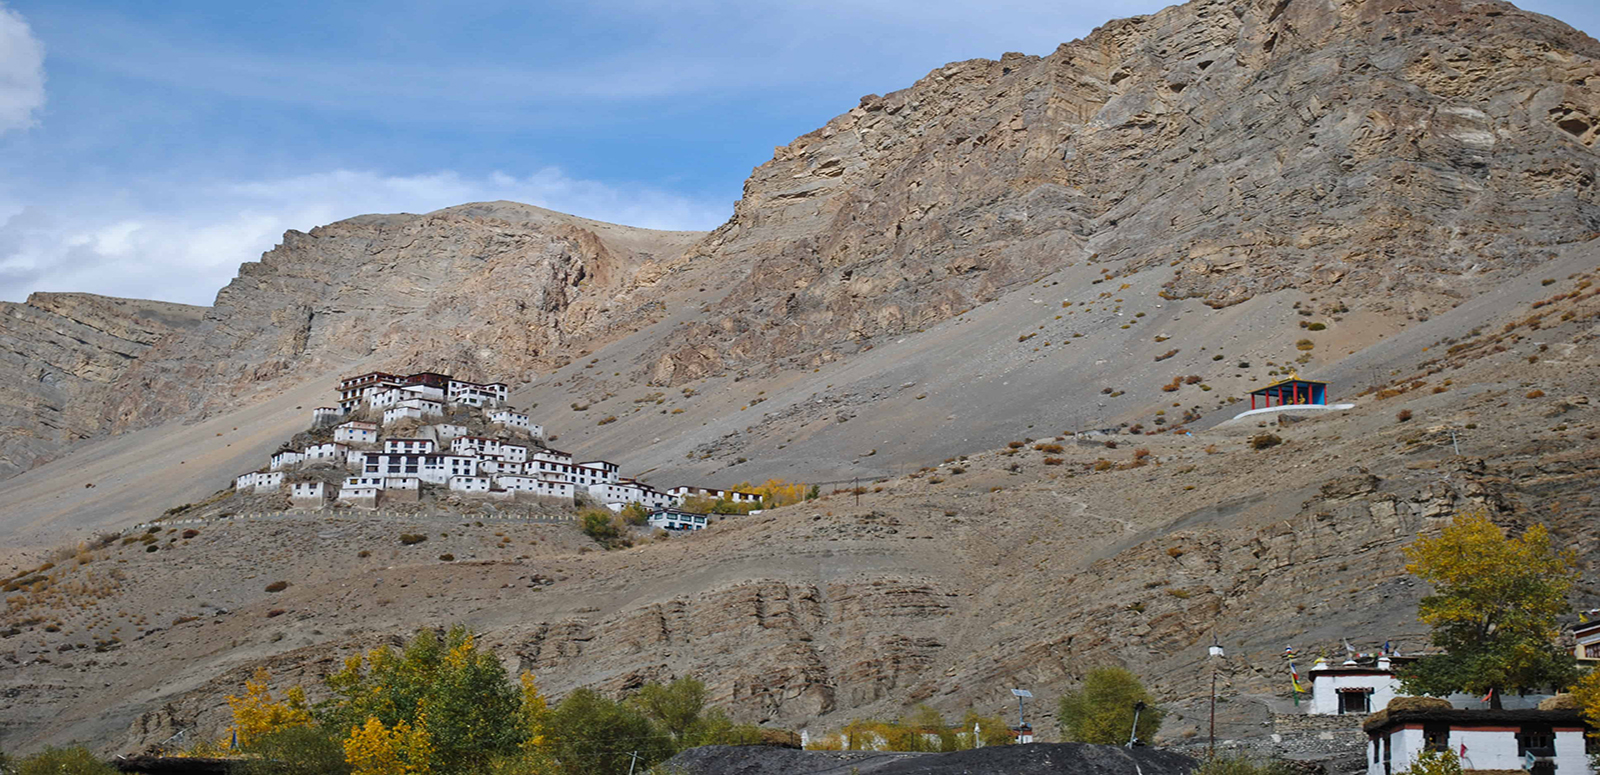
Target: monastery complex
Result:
[397, 436]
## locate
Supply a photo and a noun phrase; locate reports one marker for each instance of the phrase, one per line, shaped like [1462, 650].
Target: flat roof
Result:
[1292, 380]
[1457, 717]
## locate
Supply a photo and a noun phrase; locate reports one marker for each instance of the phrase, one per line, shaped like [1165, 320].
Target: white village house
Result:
[673, 519]
[1540, 741]
[1367, 686]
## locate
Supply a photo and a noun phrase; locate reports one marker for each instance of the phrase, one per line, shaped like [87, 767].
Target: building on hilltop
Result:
[448, 454]
[674, 519]
[356, 433]
[409, 446]
[1292, 391]
[683, 492]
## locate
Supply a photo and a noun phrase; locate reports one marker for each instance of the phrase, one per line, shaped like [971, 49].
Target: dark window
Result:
[1436, 737]
[1388, 754]
[1535, 736]
[1355, 700]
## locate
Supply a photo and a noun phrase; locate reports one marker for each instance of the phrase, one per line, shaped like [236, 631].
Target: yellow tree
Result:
[1588, 694]
[374, 749]
[1494, 609]
[257, 714]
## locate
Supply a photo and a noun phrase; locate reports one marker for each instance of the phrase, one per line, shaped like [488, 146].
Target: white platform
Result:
[1296, 408]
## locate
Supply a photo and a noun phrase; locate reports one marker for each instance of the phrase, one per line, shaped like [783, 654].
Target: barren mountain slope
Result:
[57, 351]
[483, 290]
[943, 586]
[1408, 152]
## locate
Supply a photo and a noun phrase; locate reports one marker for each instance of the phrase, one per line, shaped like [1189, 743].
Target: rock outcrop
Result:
[1415, 150]
[58, 351]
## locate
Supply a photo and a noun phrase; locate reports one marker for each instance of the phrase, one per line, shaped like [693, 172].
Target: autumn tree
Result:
[445, 692]
[1587, 692]
[256, 713]
[1102, 710]
[1494, 610]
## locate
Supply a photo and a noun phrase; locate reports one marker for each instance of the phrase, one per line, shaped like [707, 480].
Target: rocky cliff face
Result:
[489, 291]
[1412, 149]
[57, 352]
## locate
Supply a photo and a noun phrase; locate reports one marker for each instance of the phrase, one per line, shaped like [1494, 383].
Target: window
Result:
[1592, 650]
[1355, 700]
[1535, 736]
[1436, 737]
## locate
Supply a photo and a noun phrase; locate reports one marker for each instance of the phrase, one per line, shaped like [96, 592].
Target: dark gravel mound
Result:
[1034, 759]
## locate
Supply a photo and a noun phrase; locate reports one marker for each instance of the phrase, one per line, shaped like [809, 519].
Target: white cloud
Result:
[190, 241]
[21, 71]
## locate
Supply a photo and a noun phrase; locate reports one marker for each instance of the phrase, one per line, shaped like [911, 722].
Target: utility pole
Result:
[1133, 734]
[1216, 653]
[857, 490]
[634, 762]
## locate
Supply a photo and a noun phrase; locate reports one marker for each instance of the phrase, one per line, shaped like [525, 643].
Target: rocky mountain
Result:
[926, 296]
[1410, 150]
[490, 290]
[59, 352]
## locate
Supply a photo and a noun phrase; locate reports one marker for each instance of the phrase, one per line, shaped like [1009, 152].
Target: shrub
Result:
[1304, 344]
[63, 761]
[296, 750]
[1016, 444]
[1223, 765]
[277, 586]
[1053, 461]
[1174, 552]
[608, 420]
[601, 525]
[410, 539]
[150, 548]
[1192, 379]
[275, 613]
[1316, 326]
[1111, 443]
[1264, 441]
[1535, 394]
[363, 554]
[1166, 355]
[1404, 415]
[190, 533]
[1050, 448]
[447, 557]
[1141, 453]
[1102, 465]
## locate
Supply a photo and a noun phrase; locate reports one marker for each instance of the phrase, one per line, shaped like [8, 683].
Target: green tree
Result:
[589, 734]
[674, 707]
[635, 514]
[300, 750]
[63, 761]
[1494, 610]
[603, 527]
[1102, 710]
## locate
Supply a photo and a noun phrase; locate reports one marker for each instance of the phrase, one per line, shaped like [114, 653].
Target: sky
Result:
[147, 149]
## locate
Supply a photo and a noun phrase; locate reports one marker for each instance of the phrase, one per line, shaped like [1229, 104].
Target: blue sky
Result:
[146, 149]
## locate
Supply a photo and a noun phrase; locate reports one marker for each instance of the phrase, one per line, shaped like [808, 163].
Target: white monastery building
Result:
[1539, 741]
[446, 454]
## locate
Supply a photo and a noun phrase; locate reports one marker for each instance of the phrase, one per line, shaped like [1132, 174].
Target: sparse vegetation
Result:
[277, 586]
[410, 539]
[1404, 415]
[1101, 710]
[1262, 441]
